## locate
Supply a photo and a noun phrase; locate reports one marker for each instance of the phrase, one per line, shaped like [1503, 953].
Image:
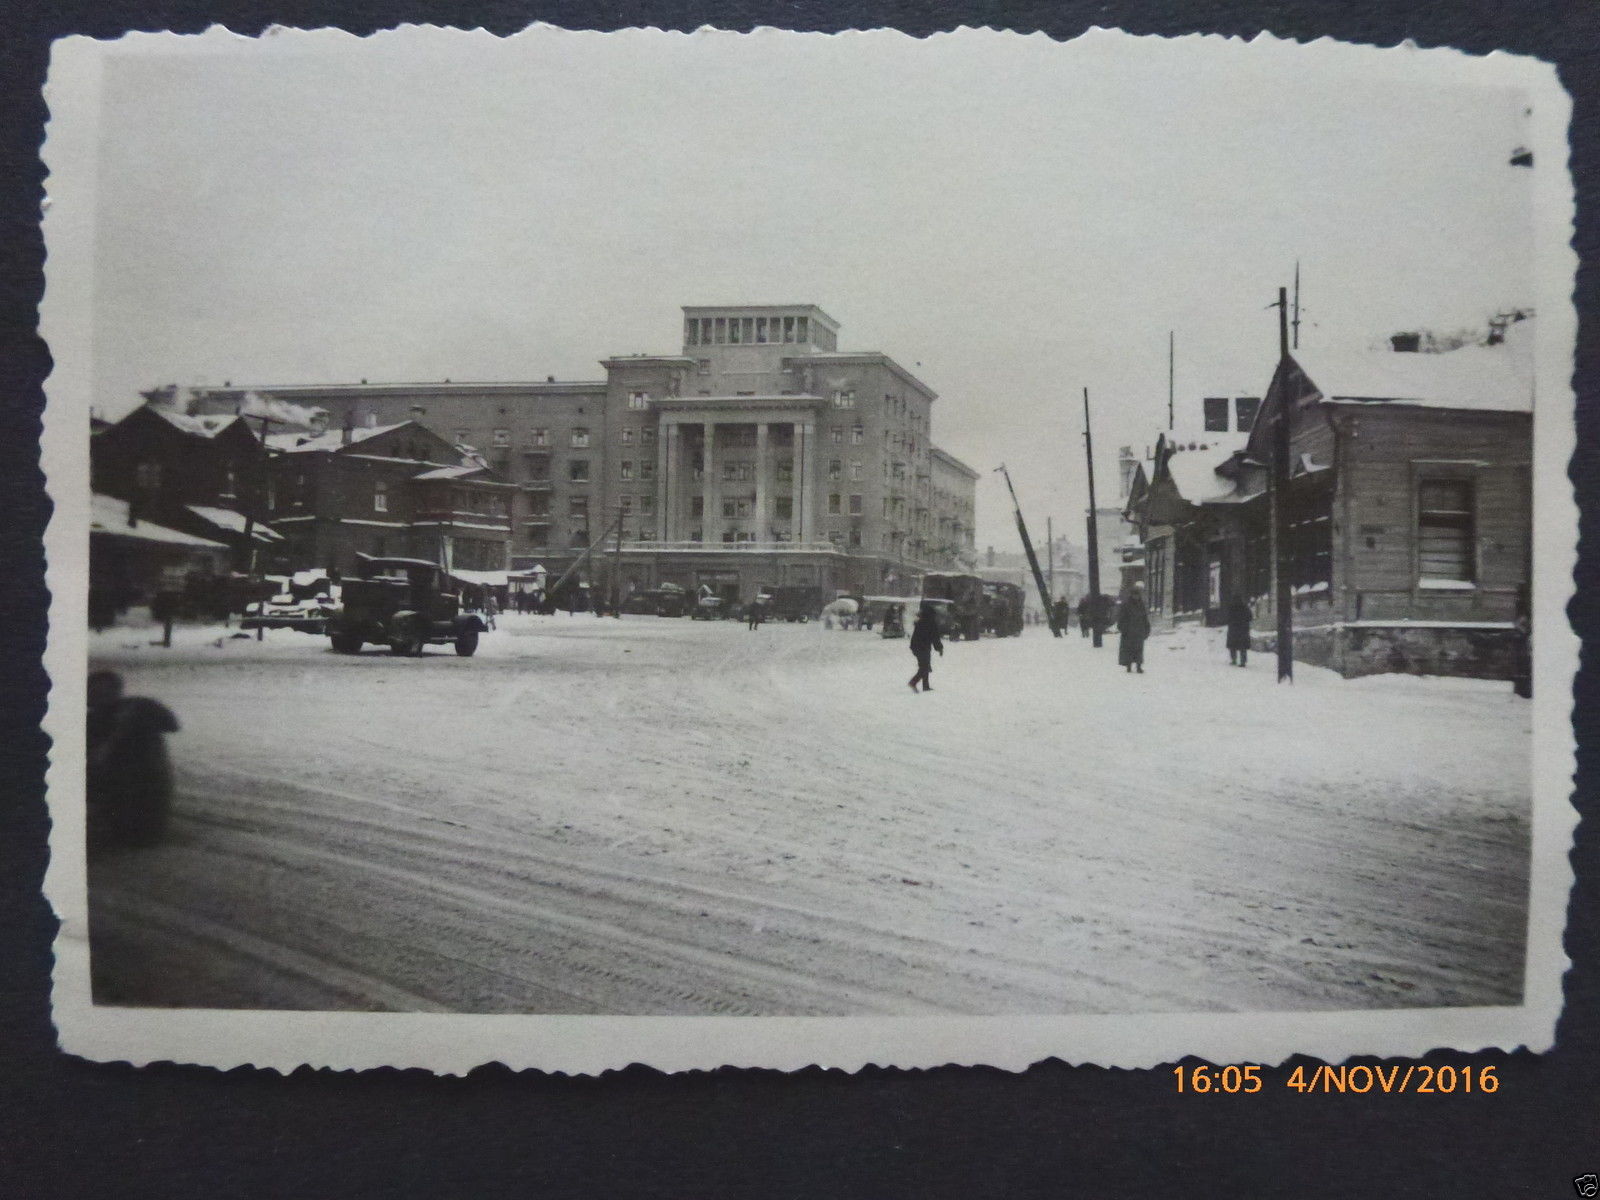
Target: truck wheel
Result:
[346, 643]
[467, 642]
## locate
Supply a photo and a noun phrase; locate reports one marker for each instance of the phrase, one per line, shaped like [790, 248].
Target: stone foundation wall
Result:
[1353, 651]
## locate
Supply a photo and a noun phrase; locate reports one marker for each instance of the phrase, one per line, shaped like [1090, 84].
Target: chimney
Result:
[349, 422]
[989, 557]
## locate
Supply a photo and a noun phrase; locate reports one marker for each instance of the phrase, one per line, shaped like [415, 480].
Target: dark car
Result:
[404, 603]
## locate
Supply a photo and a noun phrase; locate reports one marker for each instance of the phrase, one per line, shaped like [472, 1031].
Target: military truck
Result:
[961, 615]
[405, 604]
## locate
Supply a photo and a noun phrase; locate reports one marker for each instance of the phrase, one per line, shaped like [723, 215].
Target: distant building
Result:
[1409, 508]
[758, 455]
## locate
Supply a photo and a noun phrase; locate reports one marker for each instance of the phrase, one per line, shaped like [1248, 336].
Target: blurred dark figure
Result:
[1086, 615]
[1238, 616]
[1133, 622]
[925, 640]
[129, 773]
[1062, 612]
[756, 613]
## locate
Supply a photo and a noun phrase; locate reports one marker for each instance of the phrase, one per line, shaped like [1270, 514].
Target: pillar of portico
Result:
[804, 525]
[667, 477]
[711, 520]
[763, 491]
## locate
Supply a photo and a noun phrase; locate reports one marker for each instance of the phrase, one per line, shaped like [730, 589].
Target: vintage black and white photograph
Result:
[791, 526]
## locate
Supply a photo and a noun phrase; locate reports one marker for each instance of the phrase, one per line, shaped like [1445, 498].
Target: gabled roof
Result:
[331, 439]
[1474, 378]
[205, 426]
[234, 522]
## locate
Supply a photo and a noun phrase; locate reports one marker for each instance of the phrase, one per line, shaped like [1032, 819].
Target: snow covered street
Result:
[664, 816]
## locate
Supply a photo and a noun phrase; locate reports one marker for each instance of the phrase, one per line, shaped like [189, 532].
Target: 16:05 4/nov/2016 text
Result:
[1415, 1078]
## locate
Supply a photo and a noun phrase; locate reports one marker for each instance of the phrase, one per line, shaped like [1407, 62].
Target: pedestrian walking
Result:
[755, 613]
[129, 785]
[1133, 623]
[1085, 615]
[925, 640]
[1238, 617]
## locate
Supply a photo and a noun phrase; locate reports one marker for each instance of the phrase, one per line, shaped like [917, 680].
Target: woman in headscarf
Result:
[1133, 623]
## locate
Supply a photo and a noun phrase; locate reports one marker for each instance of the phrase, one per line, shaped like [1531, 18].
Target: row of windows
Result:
[1216, 413]
[747, 331]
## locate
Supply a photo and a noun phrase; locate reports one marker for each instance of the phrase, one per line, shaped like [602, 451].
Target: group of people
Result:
[1132, 625]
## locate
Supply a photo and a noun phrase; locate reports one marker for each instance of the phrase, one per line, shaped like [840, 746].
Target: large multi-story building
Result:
[761, 455]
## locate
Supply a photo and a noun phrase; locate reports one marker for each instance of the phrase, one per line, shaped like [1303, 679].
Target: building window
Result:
[761, 330]
[722, 336]
[833, 502]
[638, 399]
[580, 438]
[627, 437]
[836, 537]
[539, 504]
[844, 398]
[788, 330]
[380, 497]
[857, 435]
[578, 470]
[537, 534]
[626, 468]
[647, 506]
[855, 505]
[837, 435]
[733, 330]
[835, 468]
[1246, 408]
[1216, 414]
[647, 437]
[702, 366]
[801, 334]
[786, 471]
[697, 507]
[855, 470]
[647, 469]
[626, 503]
[1444, 530]
[578, 508]
[538, 437]
[783, 508]
[502, 437]
[855, 539]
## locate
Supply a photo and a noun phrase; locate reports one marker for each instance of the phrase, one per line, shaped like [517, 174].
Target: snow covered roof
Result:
[449, 472]
[332, 439]
[1479, 378]
[481, 578]
[206, 425]
[108, 515]
[1194, 472]
[234, 522]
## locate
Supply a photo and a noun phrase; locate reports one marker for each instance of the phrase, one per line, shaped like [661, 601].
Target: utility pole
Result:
[1280, 499]
[1050, 557]
[1296, 321]
[1171, 363]
[1033, 559]
[1096, 619]
[262, 475]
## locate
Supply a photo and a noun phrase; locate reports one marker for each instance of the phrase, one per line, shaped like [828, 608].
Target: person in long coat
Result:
[1133, 622]
[1238, 617]
[925, 640]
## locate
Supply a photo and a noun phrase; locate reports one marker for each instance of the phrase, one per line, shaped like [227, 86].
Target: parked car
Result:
[708, 608]
[284, 611]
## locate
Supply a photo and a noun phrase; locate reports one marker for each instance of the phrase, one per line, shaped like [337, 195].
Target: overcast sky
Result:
[1011, 219]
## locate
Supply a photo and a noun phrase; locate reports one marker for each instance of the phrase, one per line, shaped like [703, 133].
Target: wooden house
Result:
[1409, 507]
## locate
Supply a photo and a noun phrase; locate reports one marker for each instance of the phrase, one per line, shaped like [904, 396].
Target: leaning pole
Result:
[1033, 559]
[1097, 618]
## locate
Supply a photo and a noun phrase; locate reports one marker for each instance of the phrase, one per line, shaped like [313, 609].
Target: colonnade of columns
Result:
[675, 471]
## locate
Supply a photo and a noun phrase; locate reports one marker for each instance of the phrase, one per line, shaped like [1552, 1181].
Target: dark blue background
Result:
[71, 1128]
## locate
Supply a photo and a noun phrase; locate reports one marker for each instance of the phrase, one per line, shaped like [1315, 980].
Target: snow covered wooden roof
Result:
[1475, 378]
[109, 516]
